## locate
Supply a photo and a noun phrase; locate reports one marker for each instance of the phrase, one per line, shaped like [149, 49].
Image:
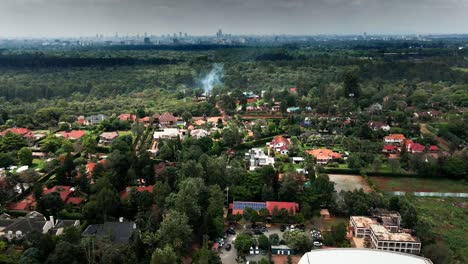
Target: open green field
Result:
[392, 184]
[449, 218]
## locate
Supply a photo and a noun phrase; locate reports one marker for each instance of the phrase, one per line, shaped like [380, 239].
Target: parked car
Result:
[228, 247]
[258, 232]
[263, 252]
[251, 251]
[282, 228]
[231, 231]
[257, 251]
[317, 244]
[292, 228]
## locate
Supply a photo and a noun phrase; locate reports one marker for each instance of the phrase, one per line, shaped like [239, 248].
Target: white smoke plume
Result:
[213, 78]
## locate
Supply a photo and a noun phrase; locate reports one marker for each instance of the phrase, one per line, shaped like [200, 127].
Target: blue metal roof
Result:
[254, 205]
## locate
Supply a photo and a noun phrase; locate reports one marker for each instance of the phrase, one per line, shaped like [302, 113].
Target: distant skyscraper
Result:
[219, 34]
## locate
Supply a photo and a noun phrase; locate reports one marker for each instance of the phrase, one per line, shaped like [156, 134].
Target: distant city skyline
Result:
[80, 18]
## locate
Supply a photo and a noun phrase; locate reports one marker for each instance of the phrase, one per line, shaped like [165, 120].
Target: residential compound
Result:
[279, 144]
[384, 232]
[256, 158]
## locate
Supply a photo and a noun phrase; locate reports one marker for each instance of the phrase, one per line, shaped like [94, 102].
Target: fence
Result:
[432, 194]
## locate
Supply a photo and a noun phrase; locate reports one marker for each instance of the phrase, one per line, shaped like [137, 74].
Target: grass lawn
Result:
[124, 133]
[391, 184]
[39, 163]
[449, 218]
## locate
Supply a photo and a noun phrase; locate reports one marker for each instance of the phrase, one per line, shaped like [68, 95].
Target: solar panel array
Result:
[254, 205]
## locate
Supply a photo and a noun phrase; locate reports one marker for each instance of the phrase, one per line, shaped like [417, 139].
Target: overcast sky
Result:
[37, 18]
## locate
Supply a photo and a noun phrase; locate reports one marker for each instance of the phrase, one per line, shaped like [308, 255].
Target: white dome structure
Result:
[360, 256]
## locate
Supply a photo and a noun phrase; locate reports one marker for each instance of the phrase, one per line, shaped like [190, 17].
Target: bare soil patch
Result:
[344, 182]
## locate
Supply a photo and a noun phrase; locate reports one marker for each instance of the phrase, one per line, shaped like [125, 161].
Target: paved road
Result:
[229, 257]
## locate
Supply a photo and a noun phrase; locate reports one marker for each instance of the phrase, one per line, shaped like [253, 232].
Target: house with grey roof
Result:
[116, 232]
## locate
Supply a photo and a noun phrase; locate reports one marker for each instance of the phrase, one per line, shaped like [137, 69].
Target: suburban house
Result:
[323, 156]
[390, 149]
[146, 120]
[18, 131]
[167, 133]
[107, 138]
[433, 148]
[428, 114]
[199, 133]
[279, 144]
[72, 135]
[238, 207]
[412, 147]
[127, 117]
[67, 194]
[394, 139]
[377, 125]
[276, 107]
[375, 108]
[18, 228]
[385, 232]
[91, 120]
[165, 119]
[256, 158]
[116, 232]
[124, 194]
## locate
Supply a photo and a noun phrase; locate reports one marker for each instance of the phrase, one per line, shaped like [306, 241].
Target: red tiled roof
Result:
[416, 147]
[124, 194]
[408, 142]
[389, 147]
[251, 100]
[28, 203]
[324, 154]
[279, 139]
[64, 191]
[18, 131]
[90, 167]
[127, 117]
[145, 119]
[395, 137]
[433, 148]
[75, 200]
[282, 205]
[74, 134]
[167, 118]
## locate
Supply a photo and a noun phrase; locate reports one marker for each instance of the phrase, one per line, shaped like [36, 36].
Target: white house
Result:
[256, 158]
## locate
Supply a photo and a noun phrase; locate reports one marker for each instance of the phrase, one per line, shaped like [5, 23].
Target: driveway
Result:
[229, 257]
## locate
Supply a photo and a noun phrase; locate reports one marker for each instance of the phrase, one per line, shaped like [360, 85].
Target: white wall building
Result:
[383, 239]
[256, 158]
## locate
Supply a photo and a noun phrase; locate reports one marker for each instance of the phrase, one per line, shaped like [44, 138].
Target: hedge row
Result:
[369, 173]
[251, 144]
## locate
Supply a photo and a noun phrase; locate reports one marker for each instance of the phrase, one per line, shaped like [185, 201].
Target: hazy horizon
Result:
[85, 18]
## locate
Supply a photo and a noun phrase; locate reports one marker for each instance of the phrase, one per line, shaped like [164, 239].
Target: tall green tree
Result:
[165, 255]
[175, 231]
[25, 156]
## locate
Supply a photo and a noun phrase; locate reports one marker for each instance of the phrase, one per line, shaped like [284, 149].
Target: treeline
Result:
[40, 60]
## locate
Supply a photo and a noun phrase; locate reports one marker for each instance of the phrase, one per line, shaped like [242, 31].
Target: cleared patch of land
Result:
[393, 184]
[449, 218]
[344, 182]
